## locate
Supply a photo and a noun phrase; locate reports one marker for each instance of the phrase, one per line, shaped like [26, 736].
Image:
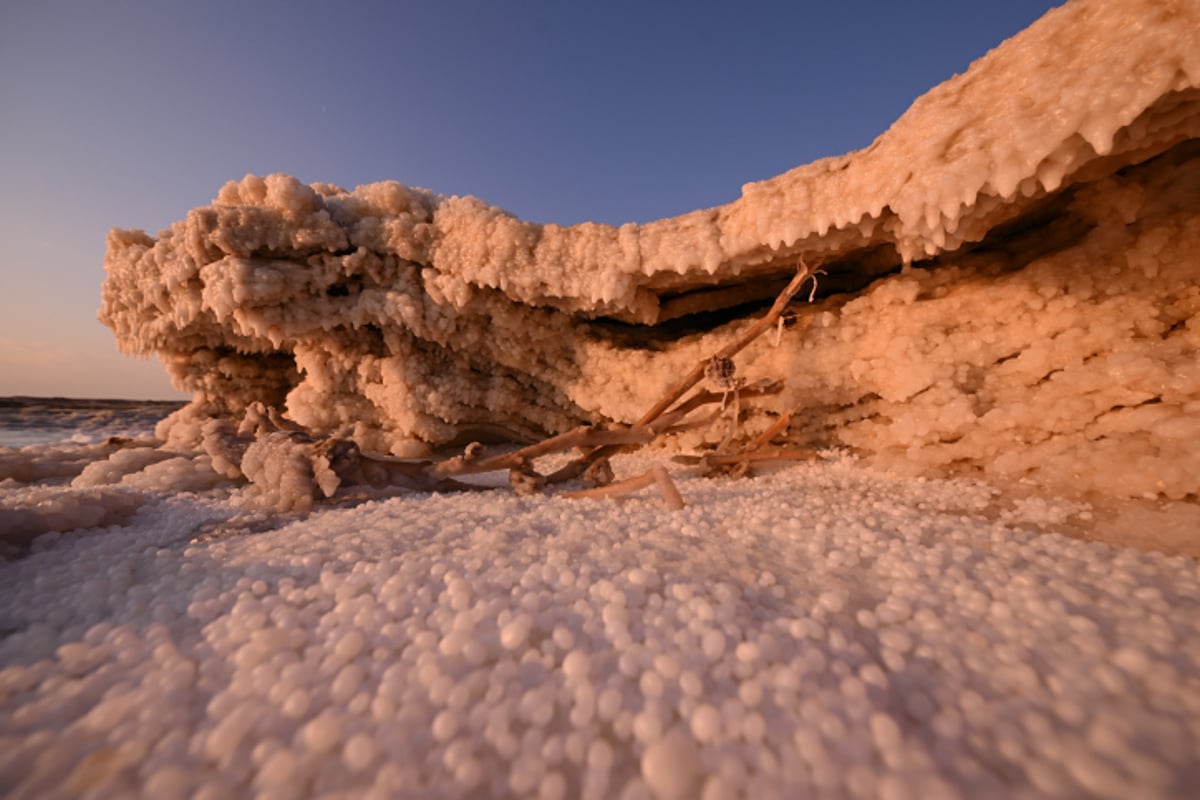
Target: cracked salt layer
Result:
[824, 630]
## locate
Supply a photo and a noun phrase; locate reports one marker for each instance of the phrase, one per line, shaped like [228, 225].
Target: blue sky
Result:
[127, 114]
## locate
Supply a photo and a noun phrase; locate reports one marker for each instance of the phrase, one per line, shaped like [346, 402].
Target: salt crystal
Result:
[515, 634]
[670, 766]
[706, 723]
[576, 664]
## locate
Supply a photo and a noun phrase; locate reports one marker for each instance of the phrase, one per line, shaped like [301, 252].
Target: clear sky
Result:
[127, 114]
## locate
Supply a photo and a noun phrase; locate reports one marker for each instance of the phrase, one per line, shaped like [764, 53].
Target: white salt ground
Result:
[821, 631]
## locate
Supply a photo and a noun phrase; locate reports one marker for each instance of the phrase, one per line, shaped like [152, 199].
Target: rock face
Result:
[1013, 287]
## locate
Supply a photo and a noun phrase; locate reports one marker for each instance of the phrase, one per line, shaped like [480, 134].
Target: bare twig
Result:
[617, 489]
[524, 480]
[703, 398]
[764, 455]
[667, 486]
[730, 350]
[666, 423]
[579, 437]
[600, 473]
[656, 475]
[764, 438]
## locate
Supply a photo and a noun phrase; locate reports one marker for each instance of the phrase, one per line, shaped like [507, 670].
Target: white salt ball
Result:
[600, 755]
[834, 600]
[346, 684]
[295, 705]
[747, 652]
[359, 752]
[754, 727]
[445, 725]
[670, 765]
[516, 633]
[552, 787]
[712, 644]
[527, 772]
[563, 637]
[886, 733]
[717, 788]
[1134, 662]
[168, 782]
[706, 723]
[608, 705]
[350, 645]
[667, 666]
[647, 725]
[615, 615]
[576, 665]
[651, 684]
[750, 692]
[896, 639]
[322, 733]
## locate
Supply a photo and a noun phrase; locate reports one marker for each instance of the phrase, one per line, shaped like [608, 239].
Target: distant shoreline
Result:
[24, 401]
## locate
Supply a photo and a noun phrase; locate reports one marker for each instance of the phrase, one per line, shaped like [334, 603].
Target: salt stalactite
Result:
[1012, 285]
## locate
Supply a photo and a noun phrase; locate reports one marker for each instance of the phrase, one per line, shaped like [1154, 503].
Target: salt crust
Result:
[823, 631]
[396, 316]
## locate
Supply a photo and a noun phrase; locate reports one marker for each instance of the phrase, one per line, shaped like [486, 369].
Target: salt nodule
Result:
[824, 630]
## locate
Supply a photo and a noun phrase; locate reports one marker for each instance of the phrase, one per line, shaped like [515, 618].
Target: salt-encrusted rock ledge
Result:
[1013, 284]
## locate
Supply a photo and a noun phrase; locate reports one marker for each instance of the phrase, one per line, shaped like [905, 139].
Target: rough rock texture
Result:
[1013, 284]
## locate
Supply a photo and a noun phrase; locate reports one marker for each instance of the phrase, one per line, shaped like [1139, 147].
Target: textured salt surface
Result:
[824, 630]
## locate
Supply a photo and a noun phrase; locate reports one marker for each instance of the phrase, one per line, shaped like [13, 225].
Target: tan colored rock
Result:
[1013, 284]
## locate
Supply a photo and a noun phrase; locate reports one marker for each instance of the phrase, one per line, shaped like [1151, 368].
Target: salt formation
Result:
[819, 632]
[1012, 287]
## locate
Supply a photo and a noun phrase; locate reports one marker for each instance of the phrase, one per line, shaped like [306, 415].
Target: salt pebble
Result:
[358, 752]
[515, 634]
[670, 766]
[576, 664]
[706, 723]
[712, 643]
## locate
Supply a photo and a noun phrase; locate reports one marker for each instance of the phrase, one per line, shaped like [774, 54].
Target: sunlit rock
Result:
[1012, 285]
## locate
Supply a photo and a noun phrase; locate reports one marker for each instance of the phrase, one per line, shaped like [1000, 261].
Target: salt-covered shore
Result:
[824, 630]
[247, 604]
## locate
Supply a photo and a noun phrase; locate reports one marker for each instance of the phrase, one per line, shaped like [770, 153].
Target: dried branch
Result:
[764, 455]
[617, 489]
[353, 467]
[667, 486]
[764, 438]
[671, 422]
[583, 436]
[656, 475]
[757, 329]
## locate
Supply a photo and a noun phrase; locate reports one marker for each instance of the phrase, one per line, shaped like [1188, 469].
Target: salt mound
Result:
[1011, 285]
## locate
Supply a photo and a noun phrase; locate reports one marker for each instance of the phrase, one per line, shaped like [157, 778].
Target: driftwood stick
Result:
[617, 489]
[667, 486]
[666, 423]
[766, 454]
[604, 444]
[764, 438]
[656, 475]
[579, 437]
[757, 329]
[704, 397]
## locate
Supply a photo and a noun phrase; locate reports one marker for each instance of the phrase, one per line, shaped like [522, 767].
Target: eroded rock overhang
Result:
[1012, 284]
